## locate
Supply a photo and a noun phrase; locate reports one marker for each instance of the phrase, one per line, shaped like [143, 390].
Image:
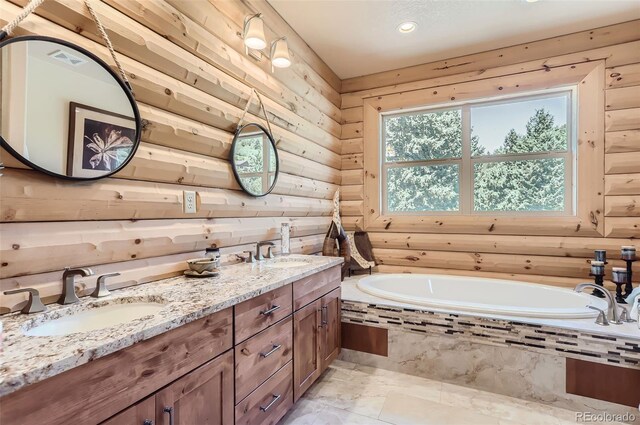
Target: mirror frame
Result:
[233, 164]
[103, 64]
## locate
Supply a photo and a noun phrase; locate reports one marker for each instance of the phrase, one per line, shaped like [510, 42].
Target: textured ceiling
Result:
[359, 37]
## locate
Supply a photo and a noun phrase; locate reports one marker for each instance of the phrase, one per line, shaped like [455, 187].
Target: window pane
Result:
[425, 135]
[526, 185]
[423, 188]
[249, 154]
[521, 126]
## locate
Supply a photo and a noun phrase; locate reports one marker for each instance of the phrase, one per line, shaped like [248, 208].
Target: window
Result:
[511, 155]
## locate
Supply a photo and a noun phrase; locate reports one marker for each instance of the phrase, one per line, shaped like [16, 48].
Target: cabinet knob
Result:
[147, 422]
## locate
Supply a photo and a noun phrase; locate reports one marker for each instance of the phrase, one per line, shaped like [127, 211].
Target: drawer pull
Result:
[325, 316]
[169, 410]
[268, 406]
[270, 352]
[270, 311]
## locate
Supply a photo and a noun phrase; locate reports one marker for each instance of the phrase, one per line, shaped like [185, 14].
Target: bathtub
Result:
[482, 295]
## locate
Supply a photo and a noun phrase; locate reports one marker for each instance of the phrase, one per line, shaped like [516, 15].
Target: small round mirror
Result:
[64, 111]
[254, 159]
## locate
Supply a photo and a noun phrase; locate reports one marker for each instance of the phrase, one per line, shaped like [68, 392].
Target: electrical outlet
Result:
[189, 205]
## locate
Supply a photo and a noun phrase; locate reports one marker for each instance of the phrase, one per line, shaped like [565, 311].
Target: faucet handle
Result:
[249, 258]
[34, 305]
[270, 253]
[101, 286]
[624, 315]
[602, 316]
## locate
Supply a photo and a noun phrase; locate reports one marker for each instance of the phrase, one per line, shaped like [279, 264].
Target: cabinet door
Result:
[141, 413]
[307, 361]
[203, 396]
[330, 321]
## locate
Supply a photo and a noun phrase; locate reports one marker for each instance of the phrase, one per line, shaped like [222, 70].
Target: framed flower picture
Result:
[100, 141]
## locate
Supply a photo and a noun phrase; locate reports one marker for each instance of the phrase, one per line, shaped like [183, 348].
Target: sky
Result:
[492, 122]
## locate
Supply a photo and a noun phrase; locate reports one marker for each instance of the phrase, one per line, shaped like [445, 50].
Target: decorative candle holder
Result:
[628, 254]
[597, 271]
[619, 277]
[601, 255]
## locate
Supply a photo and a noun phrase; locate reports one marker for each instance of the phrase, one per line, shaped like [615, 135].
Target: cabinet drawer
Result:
[259, 313]
[269, 402]
[261, 356]
[313, 287]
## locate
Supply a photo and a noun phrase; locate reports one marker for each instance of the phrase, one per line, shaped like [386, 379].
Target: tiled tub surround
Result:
[578, 338]
[501, 355]
[26, 360]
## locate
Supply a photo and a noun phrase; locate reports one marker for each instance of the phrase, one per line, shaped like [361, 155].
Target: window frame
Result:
[589, 76]
[466, 162]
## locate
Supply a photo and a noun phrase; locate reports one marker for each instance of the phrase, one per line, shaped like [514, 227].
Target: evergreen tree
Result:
[498, 186]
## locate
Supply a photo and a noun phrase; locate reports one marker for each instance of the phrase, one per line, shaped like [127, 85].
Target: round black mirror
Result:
[254, 159]
[64, 111]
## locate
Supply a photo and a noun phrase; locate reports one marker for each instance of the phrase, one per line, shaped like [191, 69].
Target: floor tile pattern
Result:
[352, 394]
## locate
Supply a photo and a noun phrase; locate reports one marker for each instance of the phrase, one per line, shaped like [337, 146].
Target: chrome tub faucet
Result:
[611, 302]
[69, 295]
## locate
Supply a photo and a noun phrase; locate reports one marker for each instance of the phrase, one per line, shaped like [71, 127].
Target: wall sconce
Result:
[280, 54]
[254, 32]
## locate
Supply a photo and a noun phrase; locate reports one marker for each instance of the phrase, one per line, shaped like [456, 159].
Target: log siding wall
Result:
[528, 256]
[191, 79]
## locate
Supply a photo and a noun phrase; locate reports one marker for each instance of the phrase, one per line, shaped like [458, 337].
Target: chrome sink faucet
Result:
[259, 245]
[69, 295]
[611, 302]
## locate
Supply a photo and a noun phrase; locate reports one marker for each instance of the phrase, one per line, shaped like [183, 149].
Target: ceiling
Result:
[359, 37]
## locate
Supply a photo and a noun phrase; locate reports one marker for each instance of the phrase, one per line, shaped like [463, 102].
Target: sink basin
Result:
[94, 319]
[287, 264]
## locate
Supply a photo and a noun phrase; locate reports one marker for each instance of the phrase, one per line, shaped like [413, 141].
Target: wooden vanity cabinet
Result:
[330, 328]
[197, 373]
[316, 329]
[203, 396]
[307, 363]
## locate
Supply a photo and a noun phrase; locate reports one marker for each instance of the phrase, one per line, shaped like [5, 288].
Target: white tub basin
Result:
[482, 295]
[94, 319]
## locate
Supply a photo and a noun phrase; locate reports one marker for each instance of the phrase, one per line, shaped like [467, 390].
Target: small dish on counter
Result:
[205, 273]
[201, 265]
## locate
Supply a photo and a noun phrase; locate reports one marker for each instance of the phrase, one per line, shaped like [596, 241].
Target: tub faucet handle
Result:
[625, 316]
[602, 316]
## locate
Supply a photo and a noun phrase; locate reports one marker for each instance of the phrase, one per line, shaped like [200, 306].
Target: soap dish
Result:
[193, 273]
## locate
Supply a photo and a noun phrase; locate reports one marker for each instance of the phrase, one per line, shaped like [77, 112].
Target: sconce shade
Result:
[254, 32]
[280, 53]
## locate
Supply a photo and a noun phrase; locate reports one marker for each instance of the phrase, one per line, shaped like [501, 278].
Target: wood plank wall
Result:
[192, 80]
[552, 260]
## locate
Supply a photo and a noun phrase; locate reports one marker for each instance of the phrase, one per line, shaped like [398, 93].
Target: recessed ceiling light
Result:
[407, 27]
[531, 1]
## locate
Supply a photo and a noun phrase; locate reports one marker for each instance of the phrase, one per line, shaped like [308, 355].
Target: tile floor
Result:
[352, 394]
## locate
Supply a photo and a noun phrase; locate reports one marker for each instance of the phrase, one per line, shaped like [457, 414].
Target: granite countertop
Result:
[25, 360]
